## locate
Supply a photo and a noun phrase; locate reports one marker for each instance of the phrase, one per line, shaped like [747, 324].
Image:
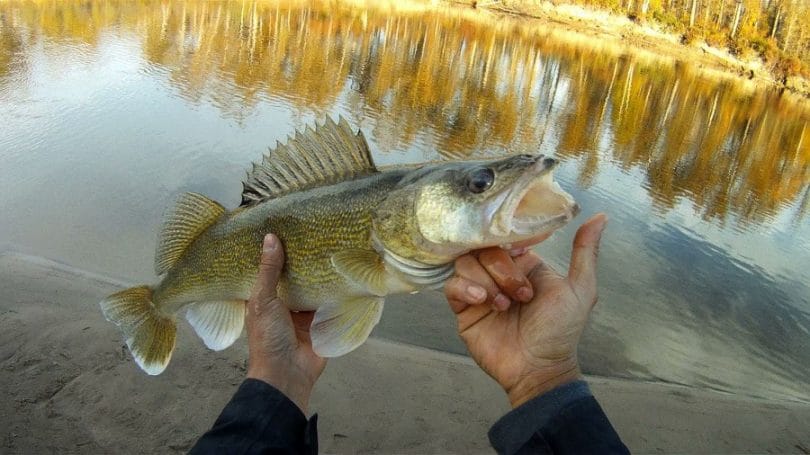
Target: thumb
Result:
[270, 265]
[582, 271]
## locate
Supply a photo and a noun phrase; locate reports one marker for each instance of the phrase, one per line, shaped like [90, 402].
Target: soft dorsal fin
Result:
[329, 154]
[191, 214]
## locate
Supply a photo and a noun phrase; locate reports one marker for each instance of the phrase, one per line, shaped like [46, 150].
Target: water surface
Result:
[109, 109]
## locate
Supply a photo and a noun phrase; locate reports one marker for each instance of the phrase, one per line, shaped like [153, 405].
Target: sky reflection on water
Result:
[111, 108]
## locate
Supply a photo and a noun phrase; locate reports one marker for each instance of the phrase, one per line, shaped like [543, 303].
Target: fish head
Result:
[463, 206]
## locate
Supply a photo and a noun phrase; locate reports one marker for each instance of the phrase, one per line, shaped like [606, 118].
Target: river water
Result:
[109, 109]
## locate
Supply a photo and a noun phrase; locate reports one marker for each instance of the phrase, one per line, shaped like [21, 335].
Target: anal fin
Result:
[339, 328]
[219, 324]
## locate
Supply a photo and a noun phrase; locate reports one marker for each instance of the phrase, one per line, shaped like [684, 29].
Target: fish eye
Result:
[480, 180]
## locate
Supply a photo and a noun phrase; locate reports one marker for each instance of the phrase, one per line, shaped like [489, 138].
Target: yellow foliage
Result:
[472, 85]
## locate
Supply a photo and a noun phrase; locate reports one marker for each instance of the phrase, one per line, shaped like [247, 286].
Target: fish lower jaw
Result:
[534, 226]
[540, 207]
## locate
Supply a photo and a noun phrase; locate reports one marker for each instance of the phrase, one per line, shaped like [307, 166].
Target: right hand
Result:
[528, 348]
[279, 344]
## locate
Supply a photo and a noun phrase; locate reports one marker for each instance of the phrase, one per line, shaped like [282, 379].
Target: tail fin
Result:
[149, 334]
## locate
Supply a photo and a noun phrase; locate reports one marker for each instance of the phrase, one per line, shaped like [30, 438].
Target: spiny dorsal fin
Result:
[190, 216]
[329, 154]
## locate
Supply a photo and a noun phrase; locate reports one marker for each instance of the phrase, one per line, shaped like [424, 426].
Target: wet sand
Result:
[68, 385]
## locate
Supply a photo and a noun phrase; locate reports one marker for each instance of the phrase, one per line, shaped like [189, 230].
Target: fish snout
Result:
[543, 163]
[575, 209]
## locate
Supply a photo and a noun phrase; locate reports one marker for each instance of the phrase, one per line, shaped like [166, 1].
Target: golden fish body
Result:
[351, 234]
[313, 225]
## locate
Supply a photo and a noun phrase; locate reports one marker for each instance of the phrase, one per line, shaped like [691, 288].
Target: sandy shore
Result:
[69, 385]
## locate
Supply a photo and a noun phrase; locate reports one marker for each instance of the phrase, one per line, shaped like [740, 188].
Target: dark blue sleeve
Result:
[260, 419]
[565, 420]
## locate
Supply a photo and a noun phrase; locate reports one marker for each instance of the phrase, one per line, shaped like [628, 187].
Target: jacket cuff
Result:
[515, 429]
[259, 419]
[276, 416]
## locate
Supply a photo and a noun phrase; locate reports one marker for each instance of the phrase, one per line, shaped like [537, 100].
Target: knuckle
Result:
[492, 256]
[465, 262]
[452, 286]
[271, 260]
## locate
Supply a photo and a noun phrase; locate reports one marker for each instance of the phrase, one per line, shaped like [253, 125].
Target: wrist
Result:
[291, 385]
[540, 382]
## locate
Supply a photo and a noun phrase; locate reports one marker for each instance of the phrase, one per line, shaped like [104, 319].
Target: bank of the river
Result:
[68, 385]
[579, 22]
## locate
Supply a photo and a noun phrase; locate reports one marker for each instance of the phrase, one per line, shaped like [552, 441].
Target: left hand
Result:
[279, 345]
[529, 348]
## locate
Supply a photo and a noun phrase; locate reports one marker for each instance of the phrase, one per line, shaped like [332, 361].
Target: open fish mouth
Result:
[534, 205]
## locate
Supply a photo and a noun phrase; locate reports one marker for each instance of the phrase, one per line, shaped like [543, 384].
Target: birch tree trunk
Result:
[720, 14]
[776, 19]
[693, 13]
[789, 32]
[736, 23]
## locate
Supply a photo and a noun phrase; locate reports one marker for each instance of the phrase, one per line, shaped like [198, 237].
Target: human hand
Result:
[279, 346]
[528, 348]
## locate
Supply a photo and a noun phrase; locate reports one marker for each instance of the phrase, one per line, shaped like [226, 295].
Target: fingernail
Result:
[270, 243]
[518, 251]
[524, 294]
[501, 301]
[476, 293]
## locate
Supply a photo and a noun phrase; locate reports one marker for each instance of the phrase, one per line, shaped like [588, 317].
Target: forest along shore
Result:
[755, 58]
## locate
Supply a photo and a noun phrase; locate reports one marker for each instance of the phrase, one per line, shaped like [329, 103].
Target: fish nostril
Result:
[549, 162]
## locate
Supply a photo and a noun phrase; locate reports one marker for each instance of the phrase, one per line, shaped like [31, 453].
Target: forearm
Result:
[286, 378]
[567, 419]
[259, 418]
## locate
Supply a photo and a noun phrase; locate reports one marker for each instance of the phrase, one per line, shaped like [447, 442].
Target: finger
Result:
[530, 242]
[515, 252]
[461, 293]
[470, 268]
[270, 265]
[540, 275]
[582, 271]
[509, 278]
[526, 262]
[302, 321]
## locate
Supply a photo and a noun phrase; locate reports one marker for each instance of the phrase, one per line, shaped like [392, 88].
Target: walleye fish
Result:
[352, 235]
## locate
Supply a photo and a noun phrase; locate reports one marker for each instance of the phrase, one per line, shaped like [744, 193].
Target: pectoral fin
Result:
[365, 268]
[340, 328]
